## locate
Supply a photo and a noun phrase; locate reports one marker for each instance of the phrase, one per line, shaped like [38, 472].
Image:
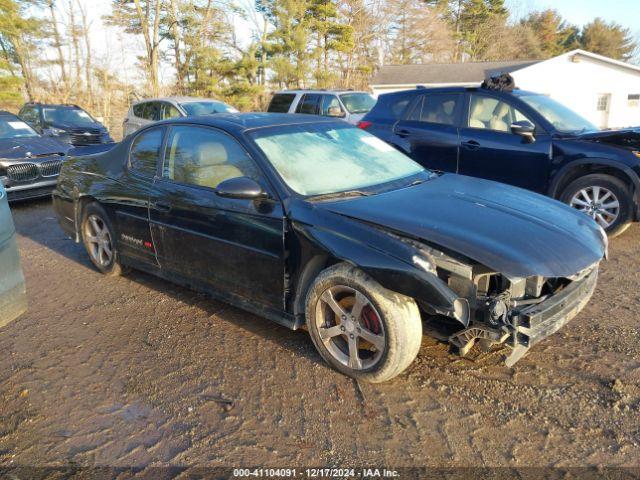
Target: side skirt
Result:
[278, 316]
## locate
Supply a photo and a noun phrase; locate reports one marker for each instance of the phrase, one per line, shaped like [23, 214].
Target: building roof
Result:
[469, 73]
[444, 73]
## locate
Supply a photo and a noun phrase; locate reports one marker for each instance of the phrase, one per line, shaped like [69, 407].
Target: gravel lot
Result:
[135, 371]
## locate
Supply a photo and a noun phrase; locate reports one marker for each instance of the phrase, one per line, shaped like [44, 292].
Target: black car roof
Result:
[245, 121]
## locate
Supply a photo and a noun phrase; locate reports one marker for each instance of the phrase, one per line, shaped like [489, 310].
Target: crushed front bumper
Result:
[531, 324]
[537, 322]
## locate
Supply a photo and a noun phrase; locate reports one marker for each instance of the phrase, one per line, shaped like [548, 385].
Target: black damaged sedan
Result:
[318, 223]
[29, 162]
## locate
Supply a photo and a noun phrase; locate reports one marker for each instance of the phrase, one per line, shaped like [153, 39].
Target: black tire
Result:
[108, 265]
[614, 185]
[391, 320]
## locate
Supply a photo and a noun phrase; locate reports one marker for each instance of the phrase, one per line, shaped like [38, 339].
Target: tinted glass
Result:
[13, 127]
[358, 102]
[71, 115]
[438, 108]
[281, 102]
[397, 105]
[145, 152]
[307, 158]
[309, 104]
[151, 111]
[138, 110]
[205, 157]
[207, 108]
[489, 113]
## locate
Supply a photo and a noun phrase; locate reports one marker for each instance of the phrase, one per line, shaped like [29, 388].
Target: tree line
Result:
[240, 50]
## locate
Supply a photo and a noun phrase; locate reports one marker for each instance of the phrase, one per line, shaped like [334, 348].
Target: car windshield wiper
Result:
[345, 194]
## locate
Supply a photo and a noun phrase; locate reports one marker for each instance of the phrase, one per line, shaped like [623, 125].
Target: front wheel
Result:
[604, 198]
[99, 240]
[360, 328]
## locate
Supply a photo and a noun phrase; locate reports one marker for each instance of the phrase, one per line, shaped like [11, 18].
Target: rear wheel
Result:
[360, 328]
[99, 240]
[604, 198]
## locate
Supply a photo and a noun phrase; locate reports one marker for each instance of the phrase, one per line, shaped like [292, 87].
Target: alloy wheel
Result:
[98, 240]
[350, 327]
[599, 203]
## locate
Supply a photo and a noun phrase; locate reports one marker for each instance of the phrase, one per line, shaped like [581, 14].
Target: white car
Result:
[349, 105]
[152, 110]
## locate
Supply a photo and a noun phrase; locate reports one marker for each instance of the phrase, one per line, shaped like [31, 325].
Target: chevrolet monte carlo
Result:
[316, 223]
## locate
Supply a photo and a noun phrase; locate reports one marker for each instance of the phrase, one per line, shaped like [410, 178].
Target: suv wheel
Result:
[604, 198]
[99, 240]
[360, 328]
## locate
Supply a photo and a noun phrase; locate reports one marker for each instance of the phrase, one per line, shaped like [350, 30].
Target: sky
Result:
[579, 12]
[118, 49]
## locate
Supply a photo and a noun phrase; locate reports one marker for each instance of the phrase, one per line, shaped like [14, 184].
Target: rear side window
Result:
[436, 108]
[309, 104]
[281, 102]
[145, 152]
[138, 110]
[391, 106]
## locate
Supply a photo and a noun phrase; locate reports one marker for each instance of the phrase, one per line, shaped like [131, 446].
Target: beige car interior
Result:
[492, 114]
[206, 164]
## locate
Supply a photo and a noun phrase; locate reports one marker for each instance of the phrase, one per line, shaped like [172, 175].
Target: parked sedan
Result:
[521, 138]
[315, 222]
[152, 110]
[12, 290]
[29, 162]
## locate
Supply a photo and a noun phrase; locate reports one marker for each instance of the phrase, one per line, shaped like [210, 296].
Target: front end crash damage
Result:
[493, 309]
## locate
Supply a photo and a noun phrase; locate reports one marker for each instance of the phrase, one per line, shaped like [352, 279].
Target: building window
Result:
[603, 103]
[634, 100]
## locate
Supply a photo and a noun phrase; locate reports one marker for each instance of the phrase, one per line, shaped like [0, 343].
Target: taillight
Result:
[363, 124]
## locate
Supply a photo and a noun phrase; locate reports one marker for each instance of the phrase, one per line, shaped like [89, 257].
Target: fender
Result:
[391, 272]
[561, 174]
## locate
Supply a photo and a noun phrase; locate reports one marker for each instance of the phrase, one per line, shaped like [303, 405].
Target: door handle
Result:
[403, 133]
[471, 145]
[162, 207]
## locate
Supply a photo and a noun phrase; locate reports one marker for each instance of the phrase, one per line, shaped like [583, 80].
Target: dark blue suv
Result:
[521, 138]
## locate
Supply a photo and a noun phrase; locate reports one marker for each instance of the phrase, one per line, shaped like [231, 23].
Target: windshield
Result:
[11, 127]
[61, 115]
[207, 108]
[358, 102]
[562, 118]
[318, 159]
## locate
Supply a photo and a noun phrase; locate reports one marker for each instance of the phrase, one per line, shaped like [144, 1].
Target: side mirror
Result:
[240, 188]
[525, 129]
[336, 112]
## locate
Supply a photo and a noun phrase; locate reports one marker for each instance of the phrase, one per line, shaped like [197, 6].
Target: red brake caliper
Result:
[371, 320]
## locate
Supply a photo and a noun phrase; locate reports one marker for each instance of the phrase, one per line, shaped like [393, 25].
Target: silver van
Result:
[152, 110]
[348, 105]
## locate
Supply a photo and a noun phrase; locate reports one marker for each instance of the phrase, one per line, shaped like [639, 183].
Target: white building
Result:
[603, 90]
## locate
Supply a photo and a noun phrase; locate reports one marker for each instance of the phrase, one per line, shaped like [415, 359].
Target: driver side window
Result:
[489, 113]
[205, 157]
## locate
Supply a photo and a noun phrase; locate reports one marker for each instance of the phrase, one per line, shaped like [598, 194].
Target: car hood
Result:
[628, 138]
[77, 126]
[510, 230]
[19, 148]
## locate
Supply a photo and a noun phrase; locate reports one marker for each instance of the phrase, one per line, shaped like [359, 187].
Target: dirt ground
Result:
[134, 371]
